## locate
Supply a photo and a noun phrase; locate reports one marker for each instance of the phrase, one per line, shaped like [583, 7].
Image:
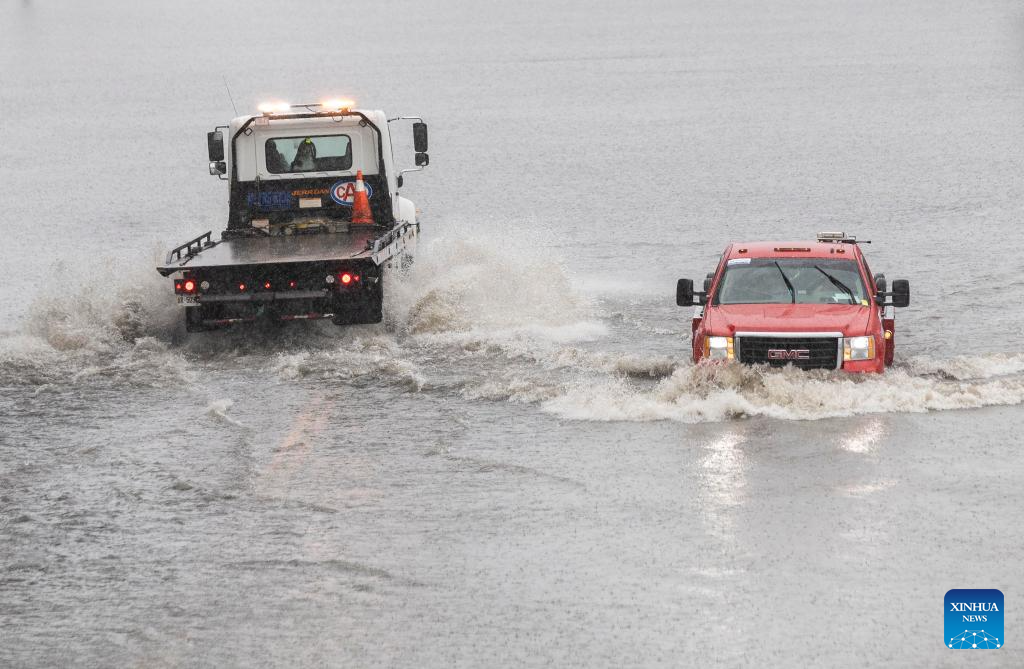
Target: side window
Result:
[325, 153]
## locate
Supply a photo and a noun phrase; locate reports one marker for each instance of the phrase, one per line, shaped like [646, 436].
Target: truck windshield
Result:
[791, 281]
[326, 153]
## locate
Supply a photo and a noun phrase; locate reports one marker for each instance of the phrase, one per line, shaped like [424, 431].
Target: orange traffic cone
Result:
[361, 214]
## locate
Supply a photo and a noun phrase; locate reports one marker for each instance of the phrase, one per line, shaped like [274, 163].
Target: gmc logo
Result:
[789, 354]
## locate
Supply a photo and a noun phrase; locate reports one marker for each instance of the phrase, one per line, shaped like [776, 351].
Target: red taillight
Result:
[346, 278]
[241, 287]
[292, 283]
[266, 285]
[185, 286]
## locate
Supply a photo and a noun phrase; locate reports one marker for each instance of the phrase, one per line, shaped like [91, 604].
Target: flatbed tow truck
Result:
[314, 218]
[813, 305]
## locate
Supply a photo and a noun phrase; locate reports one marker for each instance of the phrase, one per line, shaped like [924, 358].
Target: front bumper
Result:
[804, 350]
[875, 366]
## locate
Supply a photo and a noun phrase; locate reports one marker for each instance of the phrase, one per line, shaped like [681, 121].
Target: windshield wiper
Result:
[792, 292]
[838, 284]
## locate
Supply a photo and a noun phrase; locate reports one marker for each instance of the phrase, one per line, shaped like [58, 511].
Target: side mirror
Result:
[218, 167]
[684, 292]
[419, 137]
[422, 160]
[215, 146]
[901, 293]
[880, 283]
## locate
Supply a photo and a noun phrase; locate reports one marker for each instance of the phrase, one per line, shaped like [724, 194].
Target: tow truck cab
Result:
[292, 164]
[813, 305]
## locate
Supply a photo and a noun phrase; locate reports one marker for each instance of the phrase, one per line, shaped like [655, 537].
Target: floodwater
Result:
[519, 467]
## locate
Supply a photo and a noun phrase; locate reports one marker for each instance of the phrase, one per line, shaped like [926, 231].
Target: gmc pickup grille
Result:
[802, 351]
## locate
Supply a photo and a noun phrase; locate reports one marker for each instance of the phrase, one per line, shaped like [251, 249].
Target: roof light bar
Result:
[331, 105]
[274, 107]
[836, 237]
[337, 104]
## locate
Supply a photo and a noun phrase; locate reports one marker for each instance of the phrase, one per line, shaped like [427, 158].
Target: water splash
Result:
[472, 281]
[476, 317]
[704, 393]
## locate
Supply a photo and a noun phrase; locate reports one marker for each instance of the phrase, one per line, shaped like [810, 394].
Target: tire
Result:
[361, 314]
[194, 319]
[367, 310]
[374, 313]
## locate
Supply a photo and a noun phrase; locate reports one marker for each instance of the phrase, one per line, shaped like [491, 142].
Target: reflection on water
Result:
[864, 439]
[723, 481]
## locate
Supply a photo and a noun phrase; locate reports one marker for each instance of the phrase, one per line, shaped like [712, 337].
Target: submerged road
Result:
[519, 467]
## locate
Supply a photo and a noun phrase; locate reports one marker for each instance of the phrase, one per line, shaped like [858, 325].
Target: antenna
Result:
[229, 94]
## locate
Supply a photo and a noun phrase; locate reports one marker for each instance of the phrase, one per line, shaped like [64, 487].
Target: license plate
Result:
[188, 299]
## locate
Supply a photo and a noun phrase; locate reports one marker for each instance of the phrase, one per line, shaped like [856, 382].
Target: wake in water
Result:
[477, 318]
[703, 393]
[469, 296]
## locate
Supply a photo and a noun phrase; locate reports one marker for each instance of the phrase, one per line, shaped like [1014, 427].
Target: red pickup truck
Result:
[814, 305]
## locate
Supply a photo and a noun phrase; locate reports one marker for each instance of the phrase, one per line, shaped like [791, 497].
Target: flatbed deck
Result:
[278, 249]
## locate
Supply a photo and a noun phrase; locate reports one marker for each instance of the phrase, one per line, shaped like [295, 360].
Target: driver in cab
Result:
[305, 157]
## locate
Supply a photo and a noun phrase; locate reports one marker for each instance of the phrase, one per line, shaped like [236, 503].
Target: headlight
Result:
[718, 348]
[859, 348]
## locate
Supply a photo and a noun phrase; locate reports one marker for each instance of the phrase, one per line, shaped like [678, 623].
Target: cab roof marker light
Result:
[796, 249]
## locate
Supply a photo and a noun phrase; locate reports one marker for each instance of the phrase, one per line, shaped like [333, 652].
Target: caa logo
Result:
[974, 619]
[344, 192]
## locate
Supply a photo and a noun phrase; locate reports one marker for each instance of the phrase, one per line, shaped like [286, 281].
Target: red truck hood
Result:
[849, 319]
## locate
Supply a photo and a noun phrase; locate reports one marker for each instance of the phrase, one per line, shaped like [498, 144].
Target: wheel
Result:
[374, 312]
[363, 309]
[194, 320]
[360, 314]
